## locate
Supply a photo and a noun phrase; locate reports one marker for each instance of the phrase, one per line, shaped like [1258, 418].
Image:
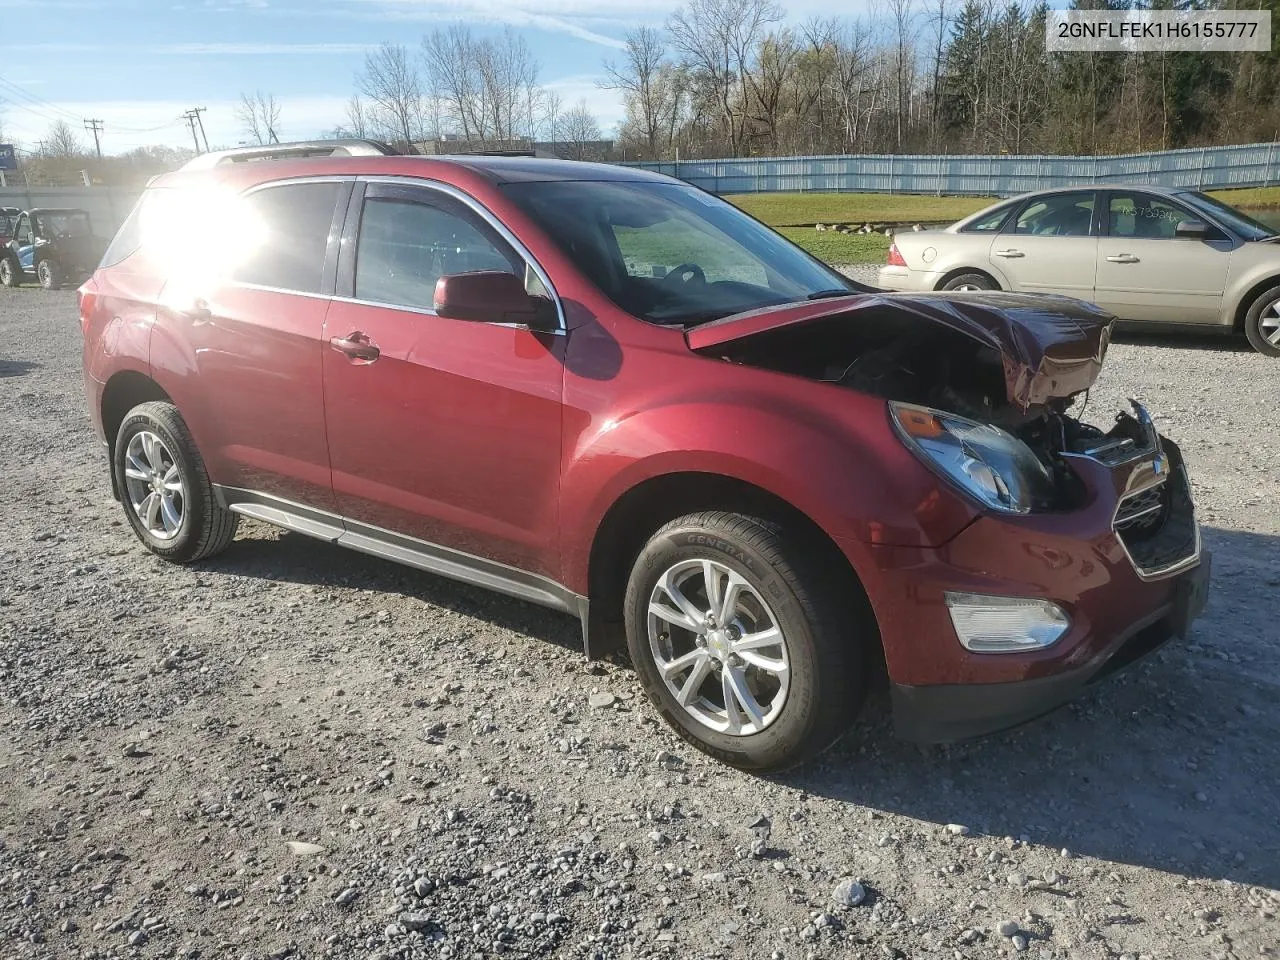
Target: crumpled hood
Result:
[1051, 346]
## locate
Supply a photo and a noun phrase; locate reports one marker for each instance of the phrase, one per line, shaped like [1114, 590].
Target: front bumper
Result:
[1119, 609]
[940, 713]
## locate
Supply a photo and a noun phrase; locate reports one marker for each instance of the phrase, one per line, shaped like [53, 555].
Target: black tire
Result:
[970, 281]
[828, 633]
[1265, 310]
[10, 273]
[49, 274]
[206, 527]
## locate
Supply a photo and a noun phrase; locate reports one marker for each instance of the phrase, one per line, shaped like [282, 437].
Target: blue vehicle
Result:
[51, 246]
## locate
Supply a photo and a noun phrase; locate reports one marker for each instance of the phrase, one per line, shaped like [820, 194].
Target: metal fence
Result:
[1209, 168]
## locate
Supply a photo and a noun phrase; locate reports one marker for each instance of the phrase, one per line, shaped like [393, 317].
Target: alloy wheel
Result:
[156, 490]
[718, 647]
[967, 287]
[1269, 324]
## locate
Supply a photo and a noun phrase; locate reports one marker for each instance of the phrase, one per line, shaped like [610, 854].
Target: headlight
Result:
[993, 466]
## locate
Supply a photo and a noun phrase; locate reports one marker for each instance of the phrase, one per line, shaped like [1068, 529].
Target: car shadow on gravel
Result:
[294, 558]
[1182, 340]
[16, 368]
[1174, 764]
[1171, 765]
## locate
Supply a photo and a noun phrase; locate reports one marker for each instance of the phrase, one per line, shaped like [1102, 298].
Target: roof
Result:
[528, 169]
[1075, 188]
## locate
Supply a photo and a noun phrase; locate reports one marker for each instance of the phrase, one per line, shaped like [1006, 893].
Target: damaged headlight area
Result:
[993, 466]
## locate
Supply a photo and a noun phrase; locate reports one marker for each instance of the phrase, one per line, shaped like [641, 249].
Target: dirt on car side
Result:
[294, 750]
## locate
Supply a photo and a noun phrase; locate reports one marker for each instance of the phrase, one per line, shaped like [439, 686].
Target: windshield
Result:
[671, 254]
[72, 223]
[1241, 223]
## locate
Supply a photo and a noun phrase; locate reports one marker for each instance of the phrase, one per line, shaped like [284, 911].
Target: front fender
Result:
[840, 464]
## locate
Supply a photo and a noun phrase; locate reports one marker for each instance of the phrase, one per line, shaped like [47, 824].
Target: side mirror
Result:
[1191, 230]
[491, 296]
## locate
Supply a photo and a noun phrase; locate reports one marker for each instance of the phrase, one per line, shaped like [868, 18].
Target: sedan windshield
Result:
[1240, 223]
[671, 254]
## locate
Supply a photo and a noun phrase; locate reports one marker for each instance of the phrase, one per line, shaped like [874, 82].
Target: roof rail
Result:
[291, 151]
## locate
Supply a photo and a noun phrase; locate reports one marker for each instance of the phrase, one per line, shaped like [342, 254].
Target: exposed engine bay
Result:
[910, 358]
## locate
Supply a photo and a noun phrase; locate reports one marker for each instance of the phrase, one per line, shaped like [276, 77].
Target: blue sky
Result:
[138, 64]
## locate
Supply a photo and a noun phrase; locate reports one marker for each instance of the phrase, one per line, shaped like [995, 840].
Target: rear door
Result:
[441, 430]
[1146, 272]
[1050, 245]
[250, 342]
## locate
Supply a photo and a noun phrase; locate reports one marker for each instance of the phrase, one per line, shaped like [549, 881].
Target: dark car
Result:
[8, 221]
[607, 392]
[52, 246]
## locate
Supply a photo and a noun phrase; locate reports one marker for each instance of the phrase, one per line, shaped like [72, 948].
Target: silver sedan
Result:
[1149, 254]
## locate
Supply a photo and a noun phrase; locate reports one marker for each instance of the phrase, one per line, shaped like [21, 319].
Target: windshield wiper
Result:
[826, 294]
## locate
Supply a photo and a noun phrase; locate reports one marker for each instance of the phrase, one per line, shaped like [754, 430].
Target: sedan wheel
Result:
[1262, 323]
[968, 282]
[718, 647]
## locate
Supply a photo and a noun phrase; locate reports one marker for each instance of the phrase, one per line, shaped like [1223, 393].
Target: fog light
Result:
[1005, 624]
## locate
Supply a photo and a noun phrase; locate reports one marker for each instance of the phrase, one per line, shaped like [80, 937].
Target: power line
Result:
[96, 127]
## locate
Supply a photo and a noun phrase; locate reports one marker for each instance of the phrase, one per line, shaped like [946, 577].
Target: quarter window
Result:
[1143, 216]
[405, 246]
[1057, 215]
[288, 228]
[988, 224]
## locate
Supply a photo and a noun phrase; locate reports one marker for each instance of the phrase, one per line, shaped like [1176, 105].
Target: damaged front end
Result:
[979, 387]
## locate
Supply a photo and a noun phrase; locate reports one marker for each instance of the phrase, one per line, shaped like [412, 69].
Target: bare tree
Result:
[448, 56]
[61, 141]
[357, 124]
[644, 79]
[578, 130]
[259, 116]
[487, 89]
[717, 39]
[390, 79]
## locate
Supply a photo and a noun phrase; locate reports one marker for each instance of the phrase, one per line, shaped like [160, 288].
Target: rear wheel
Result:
[49, 274]
[167, 496]
[1262, 323]
[747, 645]
[10, 274]
[969, 281]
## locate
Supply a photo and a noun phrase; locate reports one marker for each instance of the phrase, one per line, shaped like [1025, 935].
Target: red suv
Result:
[613, 394]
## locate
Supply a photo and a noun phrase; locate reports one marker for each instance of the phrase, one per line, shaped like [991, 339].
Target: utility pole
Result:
[191, 116]
[197, 111]
[96, 127]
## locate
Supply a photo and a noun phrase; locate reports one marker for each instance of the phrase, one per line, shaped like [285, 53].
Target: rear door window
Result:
[286, 230]
[1057, 215]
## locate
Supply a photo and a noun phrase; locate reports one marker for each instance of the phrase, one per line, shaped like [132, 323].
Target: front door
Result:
[25, 242]
[1050, 246]
[1146, 272]
[444, 431]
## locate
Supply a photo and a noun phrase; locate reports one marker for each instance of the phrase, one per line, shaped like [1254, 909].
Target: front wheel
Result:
[749, 647]
[49, 274]
[1262, 323]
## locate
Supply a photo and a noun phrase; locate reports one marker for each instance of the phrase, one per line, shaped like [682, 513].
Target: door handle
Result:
[1122, 258]
[356, 346]
[1010, 254]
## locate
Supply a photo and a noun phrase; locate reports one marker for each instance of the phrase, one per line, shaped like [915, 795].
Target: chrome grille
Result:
[1157, 526]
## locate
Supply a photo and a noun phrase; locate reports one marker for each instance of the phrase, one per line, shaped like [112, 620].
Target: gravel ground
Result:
[296, 750]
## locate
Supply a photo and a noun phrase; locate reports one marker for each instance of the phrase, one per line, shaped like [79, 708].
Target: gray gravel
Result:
[296, 751]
